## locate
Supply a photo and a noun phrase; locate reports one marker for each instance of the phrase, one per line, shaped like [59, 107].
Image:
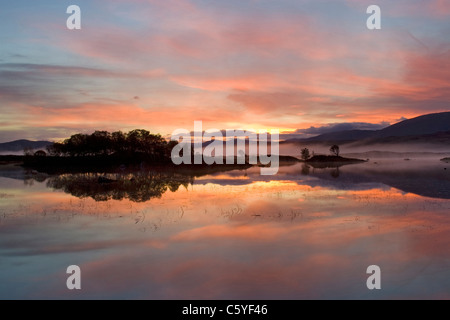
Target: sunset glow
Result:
[160, 65]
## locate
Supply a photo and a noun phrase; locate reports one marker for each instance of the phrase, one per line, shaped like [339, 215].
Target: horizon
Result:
[284, 136]
[296, 66]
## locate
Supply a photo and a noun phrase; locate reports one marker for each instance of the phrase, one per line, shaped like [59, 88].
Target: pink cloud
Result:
[115, 116]
[269, 68]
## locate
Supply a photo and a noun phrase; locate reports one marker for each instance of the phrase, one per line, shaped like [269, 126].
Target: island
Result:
[332, 161]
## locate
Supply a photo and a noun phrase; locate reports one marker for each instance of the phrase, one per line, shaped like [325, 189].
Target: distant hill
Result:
[347, 135]
[426, 128]
[20, 145]
[441, 138]
[423, 125]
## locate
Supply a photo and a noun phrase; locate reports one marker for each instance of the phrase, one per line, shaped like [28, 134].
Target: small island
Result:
[333, 159]
[447, 160]
[324, 161]
[103, 151]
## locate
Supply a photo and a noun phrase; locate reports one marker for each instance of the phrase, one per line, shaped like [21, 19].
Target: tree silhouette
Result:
[137, 143]
[27, 151]
[335, 150]
[40, 153]
[305, 154]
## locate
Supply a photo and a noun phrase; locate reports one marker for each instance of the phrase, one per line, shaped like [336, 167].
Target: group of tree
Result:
[305, 154]
[103, 143]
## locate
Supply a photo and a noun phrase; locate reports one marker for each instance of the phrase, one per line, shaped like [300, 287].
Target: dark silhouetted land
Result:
[323, 161]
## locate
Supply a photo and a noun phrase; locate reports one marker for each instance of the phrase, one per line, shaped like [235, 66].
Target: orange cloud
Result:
[255, 68]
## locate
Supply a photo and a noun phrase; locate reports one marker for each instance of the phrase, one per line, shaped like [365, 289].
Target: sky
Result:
[299, 66]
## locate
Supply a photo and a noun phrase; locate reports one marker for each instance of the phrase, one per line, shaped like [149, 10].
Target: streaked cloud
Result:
[292, 65]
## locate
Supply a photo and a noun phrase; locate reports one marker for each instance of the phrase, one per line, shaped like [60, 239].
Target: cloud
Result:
[30, 70]
[231, 64]
[334, 127]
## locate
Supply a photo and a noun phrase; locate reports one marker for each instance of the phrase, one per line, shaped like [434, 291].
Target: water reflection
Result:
[137, 187]
[427, 178]
[228, 235]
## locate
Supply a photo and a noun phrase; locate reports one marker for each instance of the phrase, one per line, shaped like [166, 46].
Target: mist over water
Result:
[375, 150]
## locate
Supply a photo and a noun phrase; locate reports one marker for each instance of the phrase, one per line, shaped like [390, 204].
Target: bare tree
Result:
[335, 150]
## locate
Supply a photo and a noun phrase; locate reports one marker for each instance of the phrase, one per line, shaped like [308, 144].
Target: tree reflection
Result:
[305, 169]
[335, 172]
[136, 187]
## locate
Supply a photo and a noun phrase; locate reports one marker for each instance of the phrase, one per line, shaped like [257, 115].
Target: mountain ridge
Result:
[21, 144]
[424, 125]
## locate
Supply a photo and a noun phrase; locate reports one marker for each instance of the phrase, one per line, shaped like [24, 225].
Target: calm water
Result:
[306, 233]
